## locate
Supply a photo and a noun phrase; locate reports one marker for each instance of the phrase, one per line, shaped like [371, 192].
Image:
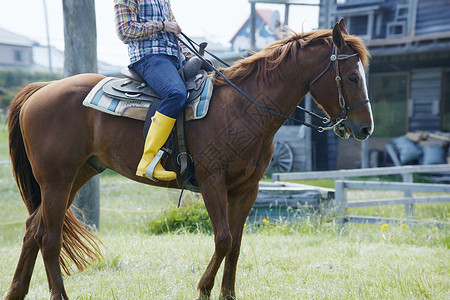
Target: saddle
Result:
[133, 88]
[127, 97]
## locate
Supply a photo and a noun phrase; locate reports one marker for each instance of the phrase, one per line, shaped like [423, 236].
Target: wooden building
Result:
[409, 75]
[16, 51]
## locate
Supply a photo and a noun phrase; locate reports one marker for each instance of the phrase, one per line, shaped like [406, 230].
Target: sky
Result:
[215, 20]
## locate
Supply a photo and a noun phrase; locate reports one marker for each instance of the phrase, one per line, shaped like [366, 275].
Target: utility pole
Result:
[80, 56]
[50, 65]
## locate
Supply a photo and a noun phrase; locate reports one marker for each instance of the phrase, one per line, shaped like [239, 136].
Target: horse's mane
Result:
[266, 63]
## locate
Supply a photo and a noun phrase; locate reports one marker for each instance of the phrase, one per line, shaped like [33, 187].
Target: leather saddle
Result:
[130, 89]
[134, 88]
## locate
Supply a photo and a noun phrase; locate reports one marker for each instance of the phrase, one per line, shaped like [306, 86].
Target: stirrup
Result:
[151, 167]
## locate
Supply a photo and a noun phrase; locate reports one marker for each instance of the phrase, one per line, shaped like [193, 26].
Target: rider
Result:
[149, 27]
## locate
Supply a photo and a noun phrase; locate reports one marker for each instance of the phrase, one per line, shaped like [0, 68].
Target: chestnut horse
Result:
[54, 139]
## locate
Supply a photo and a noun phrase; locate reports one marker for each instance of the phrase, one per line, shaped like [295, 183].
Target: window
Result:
[389, 98]
[445, 103]
[19, 56]
[359, 25]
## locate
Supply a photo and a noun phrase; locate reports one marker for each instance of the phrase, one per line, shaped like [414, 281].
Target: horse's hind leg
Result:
[238, 209]
[54, 206]
[30, 248]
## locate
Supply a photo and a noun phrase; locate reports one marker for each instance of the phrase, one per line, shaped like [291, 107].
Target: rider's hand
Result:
[171, 27]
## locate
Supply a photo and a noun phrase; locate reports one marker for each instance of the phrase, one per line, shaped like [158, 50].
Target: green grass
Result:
[137, 266]
[4, 152]
[311, 260]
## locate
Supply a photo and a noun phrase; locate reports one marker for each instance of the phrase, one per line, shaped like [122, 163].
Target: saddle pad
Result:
[96, 99]
[198, 108]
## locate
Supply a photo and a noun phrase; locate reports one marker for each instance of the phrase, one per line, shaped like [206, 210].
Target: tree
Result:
[80, 56]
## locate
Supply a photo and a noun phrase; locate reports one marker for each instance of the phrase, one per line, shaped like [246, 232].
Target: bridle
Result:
[345, 109]
[334, 60]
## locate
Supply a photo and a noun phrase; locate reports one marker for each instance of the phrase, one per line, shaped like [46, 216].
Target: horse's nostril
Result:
[366, 131]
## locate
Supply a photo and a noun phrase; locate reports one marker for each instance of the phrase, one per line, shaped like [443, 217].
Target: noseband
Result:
[345, 109]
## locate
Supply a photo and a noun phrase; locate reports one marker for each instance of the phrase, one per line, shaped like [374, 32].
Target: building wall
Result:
[15, 56]
[425, 99]
[432, 16]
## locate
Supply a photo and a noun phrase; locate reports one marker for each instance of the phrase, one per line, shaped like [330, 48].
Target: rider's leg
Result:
[161, 73]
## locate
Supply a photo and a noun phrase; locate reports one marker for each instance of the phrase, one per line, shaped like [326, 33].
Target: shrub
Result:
[12, 81]
[190, 218]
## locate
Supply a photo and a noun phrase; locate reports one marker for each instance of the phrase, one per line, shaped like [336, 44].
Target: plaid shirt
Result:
[137, 26]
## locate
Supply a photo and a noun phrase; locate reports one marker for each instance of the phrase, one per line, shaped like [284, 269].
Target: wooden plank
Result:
[340, 196]
[285, 194]
[432, 16]
[377, 220]
[398, 186]
[442, 168]
[381, 220]
[325, 193]
[399, 201]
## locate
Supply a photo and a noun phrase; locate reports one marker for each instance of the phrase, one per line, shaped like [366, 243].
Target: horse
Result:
[54, 141]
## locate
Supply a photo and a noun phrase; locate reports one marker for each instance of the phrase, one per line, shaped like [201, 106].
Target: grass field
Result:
[309, 261]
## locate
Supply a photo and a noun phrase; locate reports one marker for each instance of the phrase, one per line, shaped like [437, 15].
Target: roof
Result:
[265, 15]
[10, 38]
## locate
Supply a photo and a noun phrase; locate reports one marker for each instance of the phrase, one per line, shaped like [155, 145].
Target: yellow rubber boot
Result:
[156, 138]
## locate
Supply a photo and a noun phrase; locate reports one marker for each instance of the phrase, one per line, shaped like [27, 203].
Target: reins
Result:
[192, 42]
[334, 58]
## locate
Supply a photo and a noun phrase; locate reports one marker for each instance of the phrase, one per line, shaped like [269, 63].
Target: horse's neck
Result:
[284, 96]
[280, 98]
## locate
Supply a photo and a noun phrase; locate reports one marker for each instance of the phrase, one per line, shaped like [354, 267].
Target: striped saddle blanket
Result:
[195, 109]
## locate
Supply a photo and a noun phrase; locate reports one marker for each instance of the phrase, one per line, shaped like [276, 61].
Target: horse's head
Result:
[342, 90]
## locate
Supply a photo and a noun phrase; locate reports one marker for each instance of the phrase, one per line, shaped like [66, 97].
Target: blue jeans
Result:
[160, 71]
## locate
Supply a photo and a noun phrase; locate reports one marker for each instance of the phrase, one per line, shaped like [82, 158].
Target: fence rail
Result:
[343, 174]
[407, 186]
[341, 187]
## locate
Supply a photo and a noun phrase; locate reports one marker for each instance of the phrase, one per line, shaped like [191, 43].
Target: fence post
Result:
[409, 207]
[340, 195]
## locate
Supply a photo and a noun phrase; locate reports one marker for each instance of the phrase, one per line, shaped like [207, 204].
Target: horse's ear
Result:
[342, 26]
[338, 40]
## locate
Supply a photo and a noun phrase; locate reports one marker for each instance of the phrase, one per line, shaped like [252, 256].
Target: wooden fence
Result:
[342, 185]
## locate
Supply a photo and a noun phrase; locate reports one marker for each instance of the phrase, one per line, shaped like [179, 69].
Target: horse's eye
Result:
[353, 79]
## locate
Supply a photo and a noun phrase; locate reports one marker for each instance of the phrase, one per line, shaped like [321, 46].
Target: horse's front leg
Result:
[215, 197]
[239, 206]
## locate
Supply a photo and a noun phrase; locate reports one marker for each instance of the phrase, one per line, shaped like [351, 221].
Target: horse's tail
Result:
[28, 186]
[78, 244]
